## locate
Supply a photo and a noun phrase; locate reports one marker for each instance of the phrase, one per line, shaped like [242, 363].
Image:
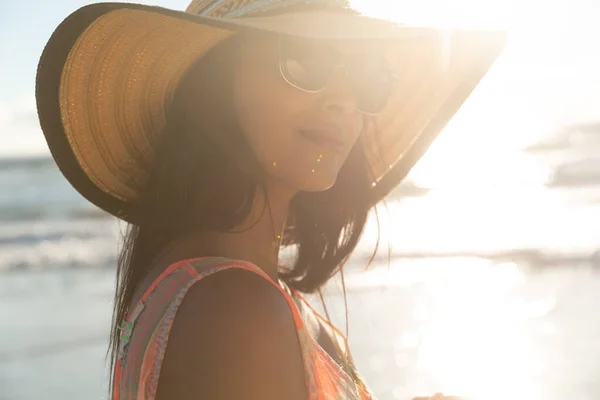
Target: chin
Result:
[308, 179]
[317, 182]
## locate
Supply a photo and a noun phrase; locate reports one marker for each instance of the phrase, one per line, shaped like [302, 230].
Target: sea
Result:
[488, 292]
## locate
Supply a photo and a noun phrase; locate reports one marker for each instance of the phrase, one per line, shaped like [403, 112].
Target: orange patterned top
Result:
[145, 334]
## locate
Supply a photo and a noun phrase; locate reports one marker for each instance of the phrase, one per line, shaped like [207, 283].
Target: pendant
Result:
[276, 243]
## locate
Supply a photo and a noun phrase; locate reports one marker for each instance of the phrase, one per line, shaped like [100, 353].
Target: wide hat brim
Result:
[106, 75]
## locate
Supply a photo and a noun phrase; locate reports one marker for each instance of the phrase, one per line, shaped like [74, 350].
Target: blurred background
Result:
[493, 286]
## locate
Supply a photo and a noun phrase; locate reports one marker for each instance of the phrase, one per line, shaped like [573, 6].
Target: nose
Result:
[339, 96]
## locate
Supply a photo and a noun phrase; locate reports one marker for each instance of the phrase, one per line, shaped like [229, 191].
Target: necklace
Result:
[276, 243]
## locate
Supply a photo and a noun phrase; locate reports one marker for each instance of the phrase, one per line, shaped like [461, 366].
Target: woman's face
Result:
[301, 139]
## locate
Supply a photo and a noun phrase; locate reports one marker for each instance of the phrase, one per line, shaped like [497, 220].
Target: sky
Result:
[25, 26]
[549, 74]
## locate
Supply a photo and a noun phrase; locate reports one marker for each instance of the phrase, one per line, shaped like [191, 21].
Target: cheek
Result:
[265, 123]
[269, 113]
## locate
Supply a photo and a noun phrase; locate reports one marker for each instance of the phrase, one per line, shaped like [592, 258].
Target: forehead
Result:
[358, 46]
[343, 47]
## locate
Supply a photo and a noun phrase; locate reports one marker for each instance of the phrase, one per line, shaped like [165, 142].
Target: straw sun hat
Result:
[105, 78]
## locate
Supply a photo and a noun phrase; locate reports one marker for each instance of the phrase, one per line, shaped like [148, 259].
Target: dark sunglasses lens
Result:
[372, 99]
[307, 67]
[374, 84]
[310, 67]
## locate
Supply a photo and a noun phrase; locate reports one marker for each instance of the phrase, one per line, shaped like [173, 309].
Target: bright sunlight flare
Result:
[546, 77]
[489, 194]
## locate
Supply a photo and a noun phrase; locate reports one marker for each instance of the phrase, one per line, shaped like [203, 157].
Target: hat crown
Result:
[241, 8]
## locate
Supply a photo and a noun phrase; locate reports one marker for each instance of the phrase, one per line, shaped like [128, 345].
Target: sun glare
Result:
[474, 347]
[543, 79]
[442, 13]
[492, 193]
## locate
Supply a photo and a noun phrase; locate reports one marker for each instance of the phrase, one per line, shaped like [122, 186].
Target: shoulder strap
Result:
[140, 357]
[206, 267]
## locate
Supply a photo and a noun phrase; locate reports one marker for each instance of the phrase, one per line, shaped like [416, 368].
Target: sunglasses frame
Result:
[340, 65]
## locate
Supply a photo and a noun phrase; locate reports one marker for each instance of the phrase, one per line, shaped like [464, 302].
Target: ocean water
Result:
[490, 292]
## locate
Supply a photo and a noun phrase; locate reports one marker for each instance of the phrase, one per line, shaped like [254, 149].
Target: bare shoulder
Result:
[233, 337]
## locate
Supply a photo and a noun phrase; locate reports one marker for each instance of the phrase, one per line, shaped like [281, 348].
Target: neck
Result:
[257, 239]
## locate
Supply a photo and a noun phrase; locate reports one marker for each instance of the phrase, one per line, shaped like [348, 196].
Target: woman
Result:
[221, 134]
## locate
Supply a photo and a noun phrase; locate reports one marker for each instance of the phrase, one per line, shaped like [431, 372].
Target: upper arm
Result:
[233, 337]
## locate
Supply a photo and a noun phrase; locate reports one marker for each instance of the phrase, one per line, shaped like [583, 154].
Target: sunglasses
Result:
[310, 68]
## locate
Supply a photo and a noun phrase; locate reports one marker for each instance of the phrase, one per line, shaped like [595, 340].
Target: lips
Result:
[328, 138]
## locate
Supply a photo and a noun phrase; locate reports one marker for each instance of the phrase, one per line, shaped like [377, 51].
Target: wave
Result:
[15, 213]
[47, 244]
[26, 162]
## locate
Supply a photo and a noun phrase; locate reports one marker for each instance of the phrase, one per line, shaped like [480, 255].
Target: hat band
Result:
[243, 8]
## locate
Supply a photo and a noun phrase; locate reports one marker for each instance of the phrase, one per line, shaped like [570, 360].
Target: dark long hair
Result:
[204, 177]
